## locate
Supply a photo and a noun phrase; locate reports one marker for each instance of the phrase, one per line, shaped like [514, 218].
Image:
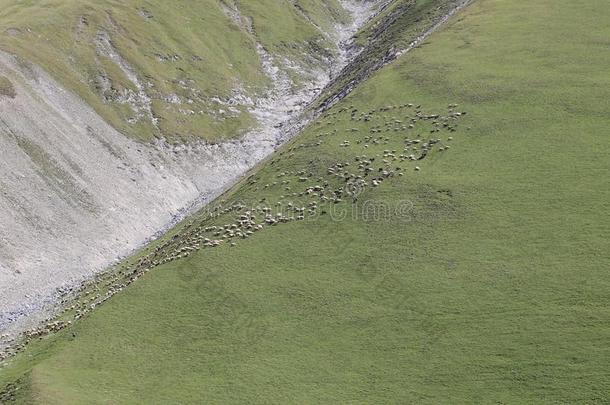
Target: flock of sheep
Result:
[381, 144]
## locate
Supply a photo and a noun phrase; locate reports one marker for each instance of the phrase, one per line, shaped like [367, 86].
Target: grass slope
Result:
[185, 55]
[489, 285]
[394, 29]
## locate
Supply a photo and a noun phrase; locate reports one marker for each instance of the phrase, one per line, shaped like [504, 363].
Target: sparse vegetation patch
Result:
[6, 88]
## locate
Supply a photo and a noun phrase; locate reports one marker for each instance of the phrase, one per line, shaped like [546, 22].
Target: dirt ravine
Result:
[77, 196]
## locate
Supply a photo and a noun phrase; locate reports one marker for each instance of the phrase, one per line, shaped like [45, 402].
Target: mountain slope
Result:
[76, 193]
[178, 70]
[478, 278]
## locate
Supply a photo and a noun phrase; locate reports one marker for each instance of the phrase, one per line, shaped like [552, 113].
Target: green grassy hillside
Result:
[158, 68]
[481, 277]
[396, 28]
